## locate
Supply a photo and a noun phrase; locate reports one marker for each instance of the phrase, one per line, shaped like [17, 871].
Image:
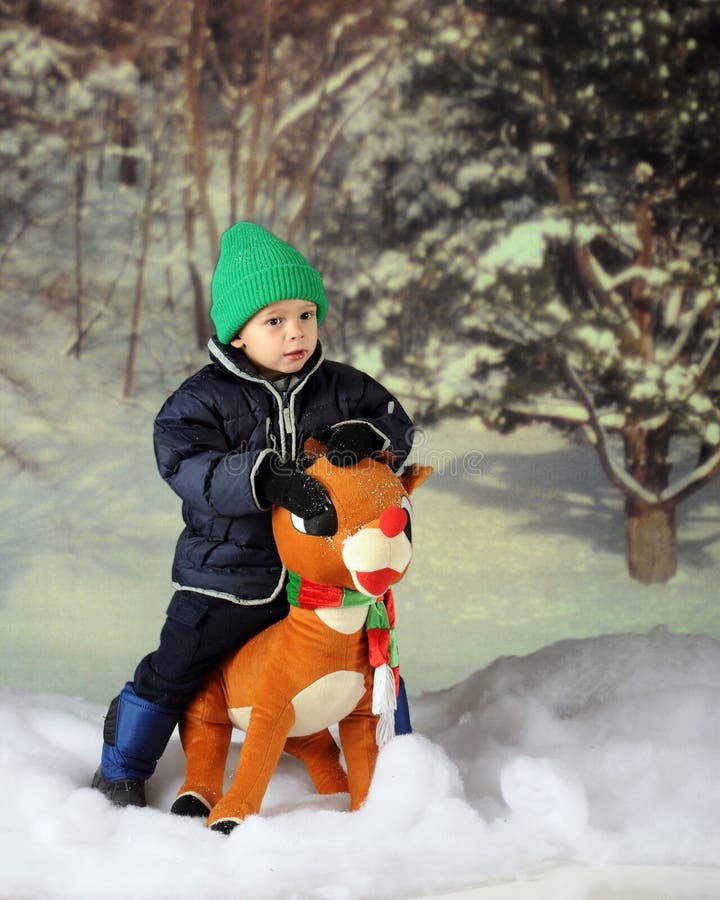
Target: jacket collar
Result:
[237, 363]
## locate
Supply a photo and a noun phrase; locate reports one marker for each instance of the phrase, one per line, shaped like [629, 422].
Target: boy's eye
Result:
[274, 321]
[309, 314]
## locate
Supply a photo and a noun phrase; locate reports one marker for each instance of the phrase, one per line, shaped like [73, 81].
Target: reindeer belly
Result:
[319, 705]
[323, 670]
[327, 701]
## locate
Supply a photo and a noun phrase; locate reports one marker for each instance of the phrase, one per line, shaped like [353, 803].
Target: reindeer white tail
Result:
[384, 703]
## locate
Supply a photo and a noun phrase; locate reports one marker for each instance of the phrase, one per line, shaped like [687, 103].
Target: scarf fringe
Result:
[384, 704]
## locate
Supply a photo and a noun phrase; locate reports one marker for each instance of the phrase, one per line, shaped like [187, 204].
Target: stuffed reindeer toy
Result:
[333, 659]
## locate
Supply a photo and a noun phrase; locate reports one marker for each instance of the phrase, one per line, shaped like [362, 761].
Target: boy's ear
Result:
[413, 476]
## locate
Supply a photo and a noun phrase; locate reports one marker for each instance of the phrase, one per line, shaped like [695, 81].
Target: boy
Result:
[228, 442]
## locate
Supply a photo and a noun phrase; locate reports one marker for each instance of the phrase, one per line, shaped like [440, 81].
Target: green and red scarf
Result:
[382, 644]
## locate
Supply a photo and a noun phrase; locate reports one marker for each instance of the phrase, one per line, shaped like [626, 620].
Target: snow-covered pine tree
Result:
[547, 243]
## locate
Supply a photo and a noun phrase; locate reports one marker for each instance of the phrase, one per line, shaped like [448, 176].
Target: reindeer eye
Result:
[407, 530]
[325, 524]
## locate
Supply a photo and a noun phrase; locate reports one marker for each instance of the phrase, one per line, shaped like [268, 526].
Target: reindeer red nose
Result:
[392, 521]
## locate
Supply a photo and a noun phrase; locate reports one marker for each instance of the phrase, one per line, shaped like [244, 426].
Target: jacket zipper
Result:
[287, 421]
[285, 407]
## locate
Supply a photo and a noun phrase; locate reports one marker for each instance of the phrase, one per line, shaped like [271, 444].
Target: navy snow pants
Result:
[198, 632]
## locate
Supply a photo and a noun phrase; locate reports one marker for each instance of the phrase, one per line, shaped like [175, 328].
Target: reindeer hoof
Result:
[224, 826]
[190, 805]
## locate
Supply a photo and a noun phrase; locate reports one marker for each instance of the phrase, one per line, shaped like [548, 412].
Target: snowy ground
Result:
[563, 713]
[597, 752]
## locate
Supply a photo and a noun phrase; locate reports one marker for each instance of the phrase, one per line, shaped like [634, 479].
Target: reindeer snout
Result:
[377, 555]
[393, 521]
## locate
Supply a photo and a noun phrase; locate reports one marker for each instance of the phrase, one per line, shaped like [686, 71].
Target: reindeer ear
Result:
[413, 476]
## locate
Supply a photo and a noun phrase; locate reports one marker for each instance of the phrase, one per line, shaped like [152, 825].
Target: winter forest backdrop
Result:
[515, 209]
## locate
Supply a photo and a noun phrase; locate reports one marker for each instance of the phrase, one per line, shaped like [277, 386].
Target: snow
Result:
[601, 750]
[562, 712]
[524, 246]
[599, 340]
[394, 270]
[473, 173]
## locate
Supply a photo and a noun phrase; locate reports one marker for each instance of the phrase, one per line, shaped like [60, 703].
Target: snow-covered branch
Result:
[616, 474]
[688, 329]
[708, 357]
[324, 149]
[692, 482]
[331, 85]
[567, 412]
[607, 282]
[602, 286]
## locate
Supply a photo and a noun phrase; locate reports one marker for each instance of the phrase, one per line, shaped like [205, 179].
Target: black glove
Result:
[348, 444]
[283, 484]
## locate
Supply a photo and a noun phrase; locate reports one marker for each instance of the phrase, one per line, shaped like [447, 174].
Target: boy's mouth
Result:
[294, 355]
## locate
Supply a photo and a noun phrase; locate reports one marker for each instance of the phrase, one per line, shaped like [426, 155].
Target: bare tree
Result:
[154, 182]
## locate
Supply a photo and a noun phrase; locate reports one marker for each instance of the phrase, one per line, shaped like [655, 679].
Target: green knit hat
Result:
[255, 269]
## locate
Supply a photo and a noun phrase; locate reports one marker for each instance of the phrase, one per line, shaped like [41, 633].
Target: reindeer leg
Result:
[357, 736]
[264, 742]
[321, 756]
[205, 733]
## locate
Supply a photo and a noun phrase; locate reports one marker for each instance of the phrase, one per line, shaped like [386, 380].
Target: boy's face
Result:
[280, 338]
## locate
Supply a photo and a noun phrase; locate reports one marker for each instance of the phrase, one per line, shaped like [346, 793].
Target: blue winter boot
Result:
[135, 735]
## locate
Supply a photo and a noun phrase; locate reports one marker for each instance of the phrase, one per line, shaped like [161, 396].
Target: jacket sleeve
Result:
[194, 457]
[373, 404]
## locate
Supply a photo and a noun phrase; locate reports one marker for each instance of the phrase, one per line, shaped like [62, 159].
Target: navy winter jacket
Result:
[210, 437]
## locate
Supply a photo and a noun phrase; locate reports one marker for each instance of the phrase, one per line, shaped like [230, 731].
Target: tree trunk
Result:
[651, 537]
[138, 298]
[80, 179]
[253, 176]
[194, 118]
[651, 542]
[203, 323]
[127, 138]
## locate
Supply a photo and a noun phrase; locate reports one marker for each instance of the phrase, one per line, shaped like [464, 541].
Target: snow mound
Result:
[600, 751]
